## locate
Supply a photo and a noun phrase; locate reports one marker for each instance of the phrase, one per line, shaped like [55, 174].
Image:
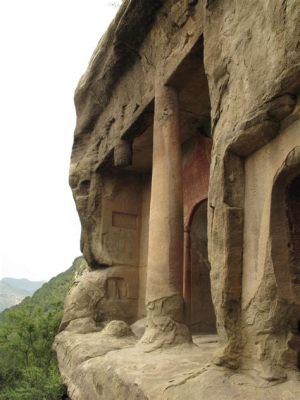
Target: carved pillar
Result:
[164, 301]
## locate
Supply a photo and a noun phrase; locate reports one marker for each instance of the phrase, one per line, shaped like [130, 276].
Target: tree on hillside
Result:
[28, 368]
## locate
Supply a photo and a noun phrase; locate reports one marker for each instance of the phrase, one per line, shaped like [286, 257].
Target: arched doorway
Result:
[293, 215]
[202, 314]
[285, 257]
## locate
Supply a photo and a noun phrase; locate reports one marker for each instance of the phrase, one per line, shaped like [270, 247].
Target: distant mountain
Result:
[13, 291]
[24, 284]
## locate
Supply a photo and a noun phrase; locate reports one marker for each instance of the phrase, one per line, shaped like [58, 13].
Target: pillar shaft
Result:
[165, 252]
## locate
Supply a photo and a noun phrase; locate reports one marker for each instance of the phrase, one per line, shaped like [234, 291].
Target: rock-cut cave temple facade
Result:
[185, 171]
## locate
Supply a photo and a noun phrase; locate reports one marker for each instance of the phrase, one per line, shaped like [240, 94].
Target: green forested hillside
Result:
[28, 369]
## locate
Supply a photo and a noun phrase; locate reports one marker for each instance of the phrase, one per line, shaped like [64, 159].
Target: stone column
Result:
[164, 301]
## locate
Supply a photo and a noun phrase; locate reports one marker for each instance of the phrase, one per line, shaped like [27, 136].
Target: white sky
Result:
[45, 48]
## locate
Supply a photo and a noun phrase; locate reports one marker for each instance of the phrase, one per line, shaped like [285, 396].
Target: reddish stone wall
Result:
[195, 176]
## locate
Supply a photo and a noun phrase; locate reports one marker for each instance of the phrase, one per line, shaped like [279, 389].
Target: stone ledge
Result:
[102, 366]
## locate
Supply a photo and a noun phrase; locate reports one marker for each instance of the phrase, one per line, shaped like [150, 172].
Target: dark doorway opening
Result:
[202, 314]
[293, 211]
[293, 215]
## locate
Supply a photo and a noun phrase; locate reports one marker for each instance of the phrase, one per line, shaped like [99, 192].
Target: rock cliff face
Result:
[254, 83]
[185, 172]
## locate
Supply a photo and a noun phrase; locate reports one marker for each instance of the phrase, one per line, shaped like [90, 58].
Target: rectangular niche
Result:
[124, 221]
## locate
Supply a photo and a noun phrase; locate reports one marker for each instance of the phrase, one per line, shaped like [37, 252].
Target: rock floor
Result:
[97, 366]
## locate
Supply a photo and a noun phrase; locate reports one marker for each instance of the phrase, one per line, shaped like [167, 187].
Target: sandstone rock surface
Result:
[99, 367]
[185, 171]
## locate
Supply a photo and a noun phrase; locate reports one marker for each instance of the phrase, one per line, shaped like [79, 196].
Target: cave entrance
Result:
[202, 315]
[293, 215]
[285, 254]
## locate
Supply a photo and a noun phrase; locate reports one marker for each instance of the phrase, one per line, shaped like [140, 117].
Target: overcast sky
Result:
[45, 48]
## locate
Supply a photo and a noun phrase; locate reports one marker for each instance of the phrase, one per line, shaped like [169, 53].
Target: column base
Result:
[164, 326]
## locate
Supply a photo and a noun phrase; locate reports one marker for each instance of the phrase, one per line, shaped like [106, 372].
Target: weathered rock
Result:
[188, 108]
[117, 329]
[138, 328]
[100, 296]
[258, 64]
[98, 366]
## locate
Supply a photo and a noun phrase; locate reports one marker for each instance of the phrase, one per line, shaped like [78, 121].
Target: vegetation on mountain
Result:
[28, 369]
